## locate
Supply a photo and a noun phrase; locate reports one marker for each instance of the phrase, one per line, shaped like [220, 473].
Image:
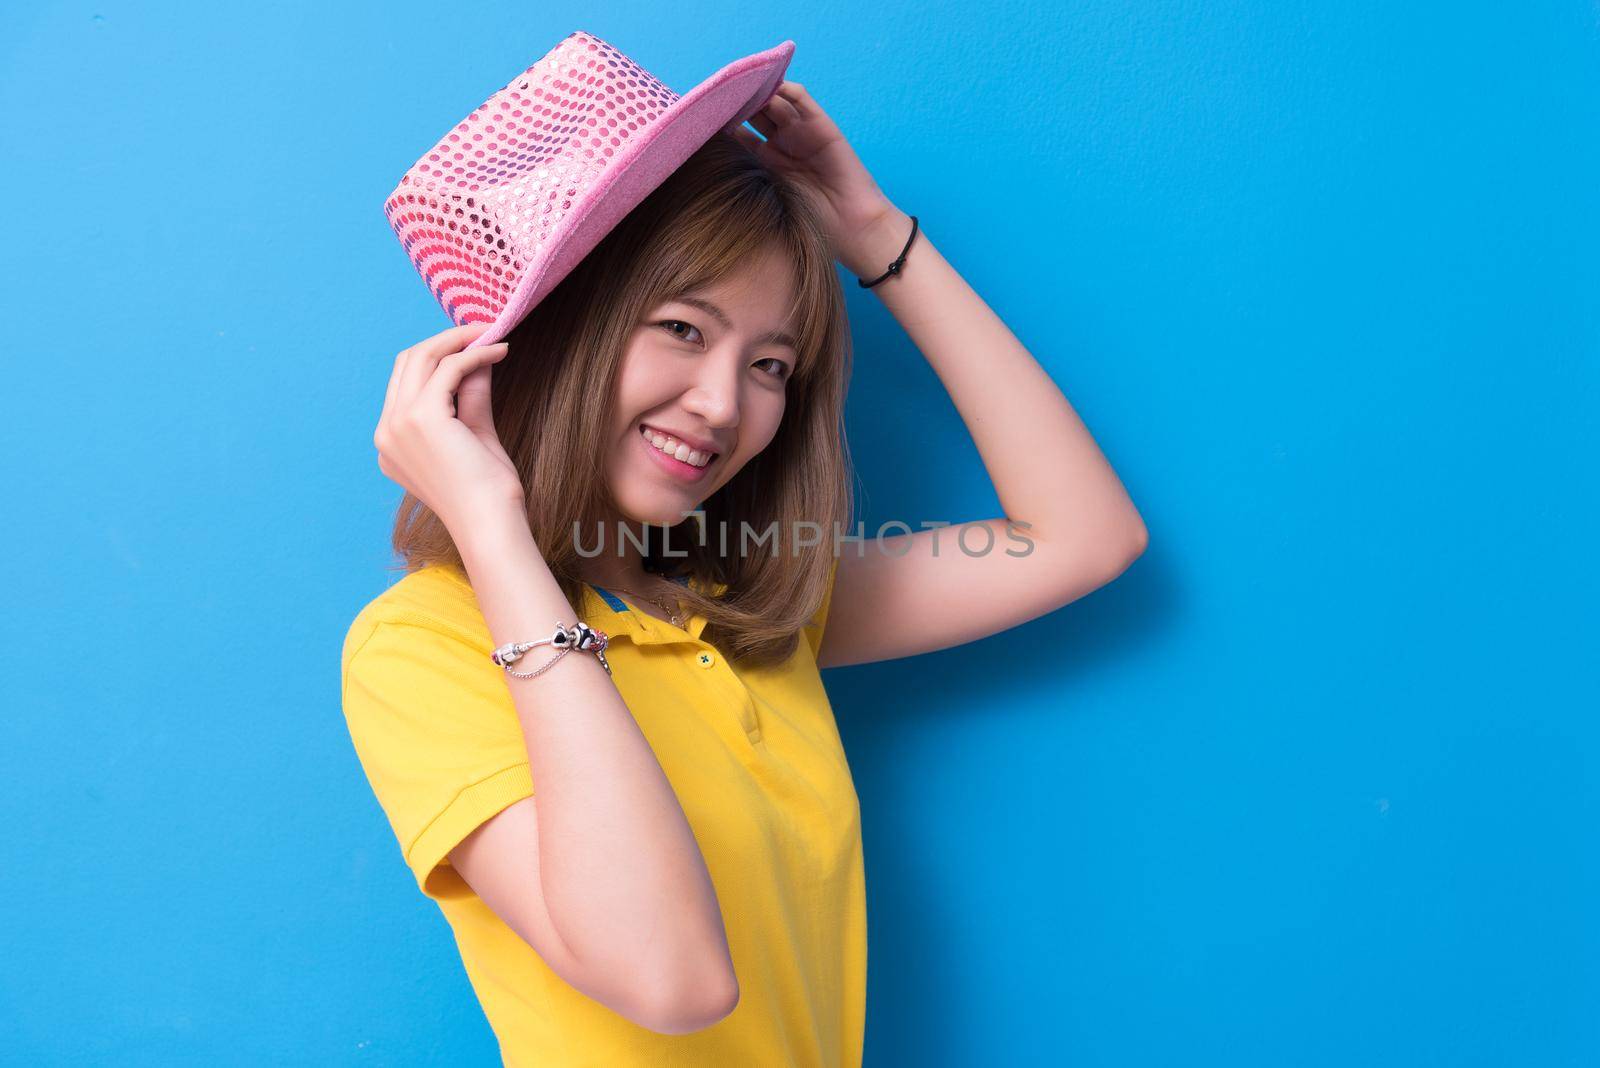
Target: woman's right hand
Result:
[436, 435]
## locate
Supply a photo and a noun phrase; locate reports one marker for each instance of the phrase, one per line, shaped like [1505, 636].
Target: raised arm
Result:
[1069, 526]
[919, 592]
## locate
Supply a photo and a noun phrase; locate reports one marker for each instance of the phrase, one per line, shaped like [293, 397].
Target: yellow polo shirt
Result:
[755, 759]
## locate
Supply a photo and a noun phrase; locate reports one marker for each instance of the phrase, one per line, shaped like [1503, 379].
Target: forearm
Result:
[1046, 468]
[622, 875]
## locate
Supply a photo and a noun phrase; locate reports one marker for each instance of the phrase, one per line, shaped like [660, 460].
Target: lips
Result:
[671, 465]
[685, 450]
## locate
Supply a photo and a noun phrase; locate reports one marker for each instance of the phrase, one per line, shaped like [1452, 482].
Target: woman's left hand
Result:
[804, 144]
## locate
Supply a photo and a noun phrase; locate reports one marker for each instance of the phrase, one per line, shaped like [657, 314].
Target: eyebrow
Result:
[717, 313]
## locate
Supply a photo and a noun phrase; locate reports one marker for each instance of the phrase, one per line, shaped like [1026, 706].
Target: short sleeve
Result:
[437, 734]
[819, 621]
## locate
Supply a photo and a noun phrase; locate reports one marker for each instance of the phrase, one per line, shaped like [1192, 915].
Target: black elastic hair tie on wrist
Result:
[900, 261]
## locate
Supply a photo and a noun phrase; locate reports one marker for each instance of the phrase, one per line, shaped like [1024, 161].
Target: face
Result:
[704, 376]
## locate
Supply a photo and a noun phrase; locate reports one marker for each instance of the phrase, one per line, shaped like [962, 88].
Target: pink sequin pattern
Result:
[476, 209]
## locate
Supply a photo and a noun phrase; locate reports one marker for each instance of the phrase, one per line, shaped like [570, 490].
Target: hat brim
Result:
[724, 100]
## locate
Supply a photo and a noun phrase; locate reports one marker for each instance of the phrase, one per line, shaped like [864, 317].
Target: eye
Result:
[669, 324]
[780, 371]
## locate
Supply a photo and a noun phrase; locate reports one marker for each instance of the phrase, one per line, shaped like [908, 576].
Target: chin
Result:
[657, 512]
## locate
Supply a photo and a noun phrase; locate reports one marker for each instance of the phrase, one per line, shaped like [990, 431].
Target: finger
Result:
[783, 110]
[473, 397]
[762, 121]
[747, 136]
[478, 339]
[437, 394]
[796, 94]
[425, 356]
[394, 384]
[456, 334]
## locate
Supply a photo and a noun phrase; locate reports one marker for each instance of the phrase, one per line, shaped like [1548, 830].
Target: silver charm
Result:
[579, 636]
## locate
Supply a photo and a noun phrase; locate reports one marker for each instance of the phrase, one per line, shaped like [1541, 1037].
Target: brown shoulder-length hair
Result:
[553, 393]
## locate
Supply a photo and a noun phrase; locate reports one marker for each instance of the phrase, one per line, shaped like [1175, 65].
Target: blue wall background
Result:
[1312, 784]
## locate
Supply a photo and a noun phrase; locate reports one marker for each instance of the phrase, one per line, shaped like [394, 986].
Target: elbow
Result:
[1122, 545]
[683, 990]
[1109, 543]
[685, 1007]
[1138, 541]
[1127, 546]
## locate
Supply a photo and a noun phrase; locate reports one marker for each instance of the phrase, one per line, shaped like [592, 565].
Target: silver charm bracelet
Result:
[579, 636]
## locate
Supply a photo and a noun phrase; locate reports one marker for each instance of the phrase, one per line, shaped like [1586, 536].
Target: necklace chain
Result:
[677, 619]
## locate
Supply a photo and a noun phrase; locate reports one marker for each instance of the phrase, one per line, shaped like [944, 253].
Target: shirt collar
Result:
[611, 613]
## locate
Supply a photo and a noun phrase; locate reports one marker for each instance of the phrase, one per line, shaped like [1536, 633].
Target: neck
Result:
[620, 564]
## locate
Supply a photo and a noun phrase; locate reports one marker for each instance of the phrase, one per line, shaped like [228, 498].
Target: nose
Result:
[714, 393]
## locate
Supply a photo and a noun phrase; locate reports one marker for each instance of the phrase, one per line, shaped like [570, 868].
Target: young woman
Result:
[656, 858]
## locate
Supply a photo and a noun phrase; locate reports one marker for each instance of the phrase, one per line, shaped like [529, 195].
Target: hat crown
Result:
[475, 211]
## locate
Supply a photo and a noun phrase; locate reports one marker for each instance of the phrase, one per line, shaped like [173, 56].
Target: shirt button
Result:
[706, 659]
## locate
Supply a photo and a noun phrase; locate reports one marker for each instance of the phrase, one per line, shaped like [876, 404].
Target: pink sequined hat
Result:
[518, 192]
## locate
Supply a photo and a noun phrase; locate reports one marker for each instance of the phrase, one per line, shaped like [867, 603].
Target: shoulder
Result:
[416, 659]
[435, 601]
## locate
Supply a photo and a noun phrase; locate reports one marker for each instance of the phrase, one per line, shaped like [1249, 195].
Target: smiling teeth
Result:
[676, 449]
